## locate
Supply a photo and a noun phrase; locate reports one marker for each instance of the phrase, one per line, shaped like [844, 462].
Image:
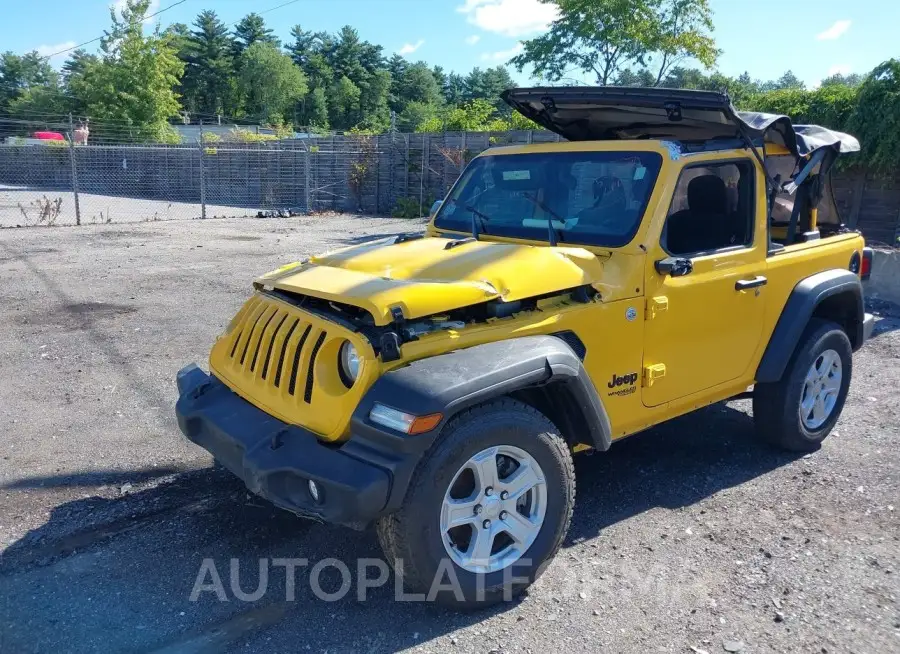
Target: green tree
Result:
[416, 84]
[419, 117]
[454, 89]
[252, 29]
[343, 104]
[876, 120]
[133, 81]
[487, 85]
[374, 91]
[472, 116]
[853, 79]
[397, 67]
[789, 81]
[680, 30]
[77, 63]
[22, 73]
[605, 37]
[270, 83]
[73, 71]
[208, 83]
[315, 109]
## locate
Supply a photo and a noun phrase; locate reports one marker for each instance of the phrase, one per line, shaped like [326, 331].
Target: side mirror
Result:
[674, 266]
[435, 207]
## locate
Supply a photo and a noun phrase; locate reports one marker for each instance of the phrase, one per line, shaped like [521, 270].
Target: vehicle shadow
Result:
[93, 478]
[159, 538]
[671, 466]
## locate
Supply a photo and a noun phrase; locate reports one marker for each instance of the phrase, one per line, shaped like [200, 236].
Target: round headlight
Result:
[349, 363]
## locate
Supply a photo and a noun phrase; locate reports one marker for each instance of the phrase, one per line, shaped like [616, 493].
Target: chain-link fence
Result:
[399, 174]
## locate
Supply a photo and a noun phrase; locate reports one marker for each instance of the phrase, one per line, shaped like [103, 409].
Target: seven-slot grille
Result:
[277, 346]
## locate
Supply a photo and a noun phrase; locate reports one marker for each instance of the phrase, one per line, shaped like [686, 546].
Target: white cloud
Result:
[840, 69]
[47, 50]
[509, 17]
[835, 31]
[409, 48]
[472, 40]
[503, 55]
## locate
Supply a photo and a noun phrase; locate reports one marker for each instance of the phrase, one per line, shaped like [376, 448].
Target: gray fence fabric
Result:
[404, 173]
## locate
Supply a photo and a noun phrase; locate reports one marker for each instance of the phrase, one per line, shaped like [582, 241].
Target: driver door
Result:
[704, 327]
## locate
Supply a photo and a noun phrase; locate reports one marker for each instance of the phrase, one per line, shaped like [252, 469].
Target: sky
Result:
[834, 35]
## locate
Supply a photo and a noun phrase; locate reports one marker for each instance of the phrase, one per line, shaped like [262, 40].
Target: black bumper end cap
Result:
[190, 377]
[868, 326]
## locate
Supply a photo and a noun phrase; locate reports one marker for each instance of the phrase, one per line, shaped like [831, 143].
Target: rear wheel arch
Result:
[842, 308]
[833, 295]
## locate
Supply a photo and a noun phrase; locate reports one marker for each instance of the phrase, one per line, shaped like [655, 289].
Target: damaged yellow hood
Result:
[423, 277]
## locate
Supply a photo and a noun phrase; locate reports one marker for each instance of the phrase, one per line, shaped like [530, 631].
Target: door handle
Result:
[745, 284]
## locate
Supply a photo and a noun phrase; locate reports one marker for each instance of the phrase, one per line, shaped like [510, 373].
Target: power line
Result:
[75, 47]
[274, 8]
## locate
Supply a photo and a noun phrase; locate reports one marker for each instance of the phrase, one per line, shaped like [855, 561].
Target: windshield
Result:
[592, 198]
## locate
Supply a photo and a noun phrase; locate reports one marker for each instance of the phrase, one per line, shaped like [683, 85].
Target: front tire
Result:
[488, 506]
[798, 412]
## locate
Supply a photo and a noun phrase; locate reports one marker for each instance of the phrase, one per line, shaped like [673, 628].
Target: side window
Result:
[712, 209]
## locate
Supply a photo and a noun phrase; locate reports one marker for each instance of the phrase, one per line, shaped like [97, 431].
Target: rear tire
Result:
[426, 556]
[798, 412]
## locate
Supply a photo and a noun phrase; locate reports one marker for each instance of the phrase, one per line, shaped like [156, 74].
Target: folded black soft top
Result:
[599, 113]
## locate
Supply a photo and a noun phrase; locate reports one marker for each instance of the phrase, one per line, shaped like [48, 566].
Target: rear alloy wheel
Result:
[798, 411]
[488, 507]
[821, 389]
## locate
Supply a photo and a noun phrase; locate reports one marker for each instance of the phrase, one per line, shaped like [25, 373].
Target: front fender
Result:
[451, 382]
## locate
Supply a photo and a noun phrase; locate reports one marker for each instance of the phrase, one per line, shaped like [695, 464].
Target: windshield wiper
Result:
[475, 214]
[553, 236]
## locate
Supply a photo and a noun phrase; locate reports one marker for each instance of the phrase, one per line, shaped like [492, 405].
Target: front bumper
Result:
[277, 460]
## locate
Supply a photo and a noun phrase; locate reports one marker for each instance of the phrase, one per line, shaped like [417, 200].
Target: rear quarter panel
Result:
[787, 268]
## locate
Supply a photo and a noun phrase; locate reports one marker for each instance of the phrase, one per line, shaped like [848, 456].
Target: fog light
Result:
[315, 492]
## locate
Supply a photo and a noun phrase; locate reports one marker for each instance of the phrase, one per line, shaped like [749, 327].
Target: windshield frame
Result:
[541, 234]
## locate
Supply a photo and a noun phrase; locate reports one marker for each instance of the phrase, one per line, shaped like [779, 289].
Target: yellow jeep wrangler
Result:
[670, 253]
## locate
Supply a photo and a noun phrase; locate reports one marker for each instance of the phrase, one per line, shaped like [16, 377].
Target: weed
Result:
[42, 211]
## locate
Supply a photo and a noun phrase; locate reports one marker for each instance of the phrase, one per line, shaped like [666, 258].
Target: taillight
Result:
[866, 269]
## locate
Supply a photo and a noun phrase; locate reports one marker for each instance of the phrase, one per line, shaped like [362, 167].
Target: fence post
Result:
[462, 157]
[422, 173]
[391, 188]
[202, 177]
[408, 162]
[74, 170]
[377, 176]
[306, 174]
[859, 188]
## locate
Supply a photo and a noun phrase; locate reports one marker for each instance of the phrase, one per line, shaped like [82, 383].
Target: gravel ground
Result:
[690, 537]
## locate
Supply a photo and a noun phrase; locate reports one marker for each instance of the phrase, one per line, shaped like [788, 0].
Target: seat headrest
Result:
[707, 194]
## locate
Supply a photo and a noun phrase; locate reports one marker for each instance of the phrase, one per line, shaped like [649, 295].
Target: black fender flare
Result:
[451, 382]
[799, 308]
